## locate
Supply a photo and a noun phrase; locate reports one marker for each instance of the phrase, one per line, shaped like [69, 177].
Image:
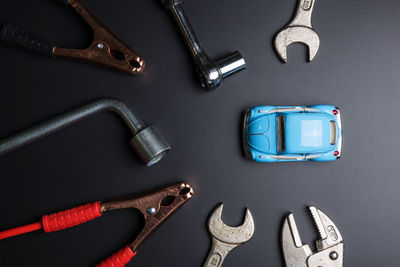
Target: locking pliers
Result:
[329, 246]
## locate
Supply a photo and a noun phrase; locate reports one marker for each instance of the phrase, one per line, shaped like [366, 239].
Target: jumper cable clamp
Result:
[156, 209]
[106, 49]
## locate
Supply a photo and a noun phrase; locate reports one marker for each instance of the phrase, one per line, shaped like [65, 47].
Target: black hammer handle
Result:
[19, 37]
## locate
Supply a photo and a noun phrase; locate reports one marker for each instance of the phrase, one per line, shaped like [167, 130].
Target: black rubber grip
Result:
[19, 37]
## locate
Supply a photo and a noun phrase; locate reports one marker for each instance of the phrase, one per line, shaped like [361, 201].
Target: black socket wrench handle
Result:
[211, 73]
[148, 143]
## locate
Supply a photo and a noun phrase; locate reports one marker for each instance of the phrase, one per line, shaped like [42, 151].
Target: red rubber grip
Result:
[72, 217]
[118, 259]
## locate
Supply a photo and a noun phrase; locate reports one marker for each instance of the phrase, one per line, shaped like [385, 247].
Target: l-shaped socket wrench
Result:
[148, 143]
[211, 73]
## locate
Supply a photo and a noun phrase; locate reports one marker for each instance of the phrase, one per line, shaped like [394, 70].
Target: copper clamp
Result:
[156, 208]
[106, 49]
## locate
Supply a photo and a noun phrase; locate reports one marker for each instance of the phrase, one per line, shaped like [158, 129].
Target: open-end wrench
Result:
[299, 30]
[211, 73]
[226, 238]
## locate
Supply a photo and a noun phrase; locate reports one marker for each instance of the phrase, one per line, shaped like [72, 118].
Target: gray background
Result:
[357, 69]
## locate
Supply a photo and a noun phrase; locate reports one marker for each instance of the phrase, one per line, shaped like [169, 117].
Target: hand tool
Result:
[148, 143]
[226, 238]
[211, 73]
[299, 30]
[106, 49]
[156, 208]
[329, 247]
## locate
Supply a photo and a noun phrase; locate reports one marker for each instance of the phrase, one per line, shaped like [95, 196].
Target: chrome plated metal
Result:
[149, 144]
[295, 109]
[329, 247]
[211, 73]
[299, 30]
[225, 238]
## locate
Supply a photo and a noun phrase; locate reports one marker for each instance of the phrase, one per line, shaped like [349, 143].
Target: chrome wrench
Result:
[299, 30]
[226, 238]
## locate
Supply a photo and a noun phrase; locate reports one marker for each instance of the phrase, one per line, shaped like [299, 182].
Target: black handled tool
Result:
[106, 49]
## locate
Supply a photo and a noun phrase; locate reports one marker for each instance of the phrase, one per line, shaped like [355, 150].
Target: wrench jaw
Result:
[297, 34]
[228, 234]
[225, 238]
[329, 246]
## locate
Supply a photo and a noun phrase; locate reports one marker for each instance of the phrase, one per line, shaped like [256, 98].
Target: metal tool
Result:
[299, 30]
[211, 73]
[148, 143]
[106, 49]
[226, 238]
[329, 247]
[156, 208]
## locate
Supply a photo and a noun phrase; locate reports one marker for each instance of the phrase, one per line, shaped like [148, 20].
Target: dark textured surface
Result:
[357, 69]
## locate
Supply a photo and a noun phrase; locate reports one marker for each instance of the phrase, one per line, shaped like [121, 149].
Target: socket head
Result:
[213, 73]
[150, 145]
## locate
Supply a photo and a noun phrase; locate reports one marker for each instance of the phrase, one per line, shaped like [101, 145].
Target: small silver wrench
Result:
[299, 30]
[226, 238]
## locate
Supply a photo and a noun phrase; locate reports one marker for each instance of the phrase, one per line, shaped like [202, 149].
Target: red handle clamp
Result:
[118, 259]
[58, 221]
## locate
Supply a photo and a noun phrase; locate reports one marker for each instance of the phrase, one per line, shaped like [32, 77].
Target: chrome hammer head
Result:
[300, 30]
[228, 234]
[329, 246]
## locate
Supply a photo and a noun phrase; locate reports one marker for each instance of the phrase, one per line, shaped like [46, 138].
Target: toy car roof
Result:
[307, 132]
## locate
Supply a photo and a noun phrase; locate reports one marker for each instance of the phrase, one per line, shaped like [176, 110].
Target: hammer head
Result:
[228, 234]
[213, 73]
[297, 34]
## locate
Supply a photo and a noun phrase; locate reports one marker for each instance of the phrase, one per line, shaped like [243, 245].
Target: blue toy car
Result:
[275, 134]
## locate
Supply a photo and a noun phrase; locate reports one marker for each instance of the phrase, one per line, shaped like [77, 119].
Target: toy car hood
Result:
[261, 134]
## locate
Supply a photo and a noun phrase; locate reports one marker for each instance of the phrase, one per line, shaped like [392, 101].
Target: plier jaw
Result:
[330, 246]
